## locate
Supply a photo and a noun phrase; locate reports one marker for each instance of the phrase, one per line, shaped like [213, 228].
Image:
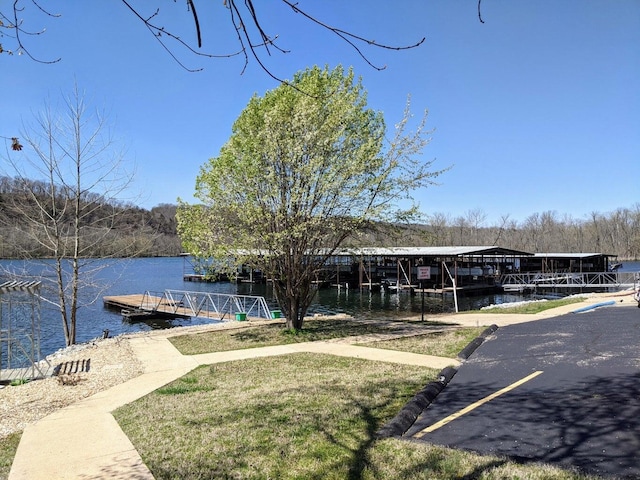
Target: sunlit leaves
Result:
[301, 173]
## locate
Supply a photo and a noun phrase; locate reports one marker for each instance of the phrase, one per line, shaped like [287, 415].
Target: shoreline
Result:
[112, 361]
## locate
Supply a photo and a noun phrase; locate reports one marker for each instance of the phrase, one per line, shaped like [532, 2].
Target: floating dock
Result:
[140, 307]
[184, 304]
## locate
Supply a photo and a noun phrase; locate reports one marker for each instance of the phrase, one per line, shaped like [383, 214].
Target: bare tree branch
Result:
[347, 36]
[253, 39]
[158, 32]
[479, 12]
[11, 26]
[59, 215]
[192, 7]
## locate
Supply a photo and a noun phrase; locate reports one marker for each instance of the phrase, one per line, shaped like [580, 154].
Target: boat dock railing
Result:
[571, 280]
[205, 304]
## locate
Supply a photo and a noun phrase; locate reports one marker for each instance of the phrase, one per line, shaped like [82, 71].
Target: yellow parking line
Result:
[475, 405]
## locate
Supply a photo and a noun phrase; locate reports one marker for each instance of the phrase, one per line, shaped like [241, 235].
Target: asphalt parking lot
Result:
[563, 390]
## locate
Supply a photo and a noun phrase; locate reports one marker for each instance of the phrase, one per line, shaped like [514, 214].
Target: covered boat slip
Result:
[468, 269]
[473, 269]
[569, 271]
[465, 269]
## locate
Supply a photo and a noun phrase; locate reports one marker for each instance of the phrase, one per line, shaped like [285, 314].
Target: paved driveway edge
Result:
[414, 407]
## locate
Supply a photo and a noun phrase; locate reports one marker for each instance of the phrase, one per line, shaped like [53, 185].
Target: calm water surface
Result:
[135, 276]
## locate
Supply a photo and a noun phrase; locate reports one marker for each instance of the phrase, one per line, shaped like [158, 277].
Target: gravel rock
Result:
[111, 361]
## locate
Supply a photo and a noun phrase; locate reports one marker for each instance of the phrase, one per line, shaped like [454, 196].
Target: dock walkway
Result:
[185, 304]
[570, 280]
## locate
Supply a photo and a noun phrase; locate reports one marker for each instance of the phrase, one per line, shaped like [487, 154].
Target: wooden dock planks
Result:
[125, 301]
[155, 304]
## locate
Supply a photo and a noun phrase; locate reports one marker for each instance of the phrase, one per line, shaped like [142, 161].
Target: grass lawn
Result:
[275, 334]
[300, 416]
[446, 343]
[294, 416]
[8, 447]
[532, 307]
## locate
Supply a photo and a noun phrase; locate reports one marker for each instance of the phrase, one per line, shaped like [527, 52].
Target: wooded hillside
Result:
[128, 230]
[613, 233]
[108, 228]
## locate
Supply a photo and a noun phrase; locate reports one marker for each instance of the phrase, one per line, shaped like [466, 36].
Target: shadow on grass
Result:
[315, 330]
[296, 416]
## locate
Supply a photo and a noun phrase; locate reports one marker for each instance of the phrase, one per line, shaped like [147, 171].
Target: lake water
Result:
[135, 276]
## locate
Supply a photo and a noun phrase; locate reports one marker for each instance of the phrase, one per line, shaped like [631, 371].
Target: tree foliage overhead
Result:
[301, 173]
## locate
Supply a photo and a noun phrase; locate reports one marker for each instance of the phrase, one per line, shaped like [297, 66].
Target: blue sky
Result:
[537, 109]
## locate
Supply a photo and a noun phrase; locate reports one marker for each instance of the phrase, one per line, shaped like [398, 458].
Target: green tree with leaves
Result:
[305, 169]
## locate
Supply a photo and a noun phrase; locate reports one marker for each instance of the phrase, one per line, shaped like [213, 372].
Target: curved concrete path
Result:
[83, 440]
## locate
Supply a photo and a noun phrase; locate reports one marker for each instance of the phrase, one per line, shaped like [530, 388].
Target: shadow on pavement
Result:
[592, 424]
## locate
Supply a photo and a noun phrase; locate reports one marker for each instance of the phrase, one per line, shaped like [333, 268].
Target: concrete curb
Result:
[414, 407]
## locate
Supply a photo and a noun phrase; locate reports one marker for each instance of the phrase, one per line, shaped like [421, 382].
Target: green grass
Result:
[532, 307]
[293, 416]
[8, 447]
[298, 416]
[184, 385]
[277, 334]
[403, 460]
[447, 343]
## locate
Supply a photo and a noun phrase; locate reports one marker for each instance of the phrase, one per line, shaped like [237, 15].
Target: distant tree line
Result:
[135, 231]
[111, 229]
[613, 233]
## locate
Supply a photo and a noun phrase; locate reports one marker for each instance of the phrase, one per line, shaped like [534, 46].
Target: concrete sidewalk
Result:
[618, 299]
[83, 441]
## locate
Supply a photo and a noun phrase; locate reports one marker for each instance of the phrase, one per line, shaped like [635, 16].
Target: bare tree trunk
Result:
[73, 151]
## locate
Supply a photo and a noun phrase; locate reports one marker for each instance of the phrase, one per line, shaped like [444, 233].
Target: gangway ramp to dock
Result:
[599, 280]
[186, 304]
